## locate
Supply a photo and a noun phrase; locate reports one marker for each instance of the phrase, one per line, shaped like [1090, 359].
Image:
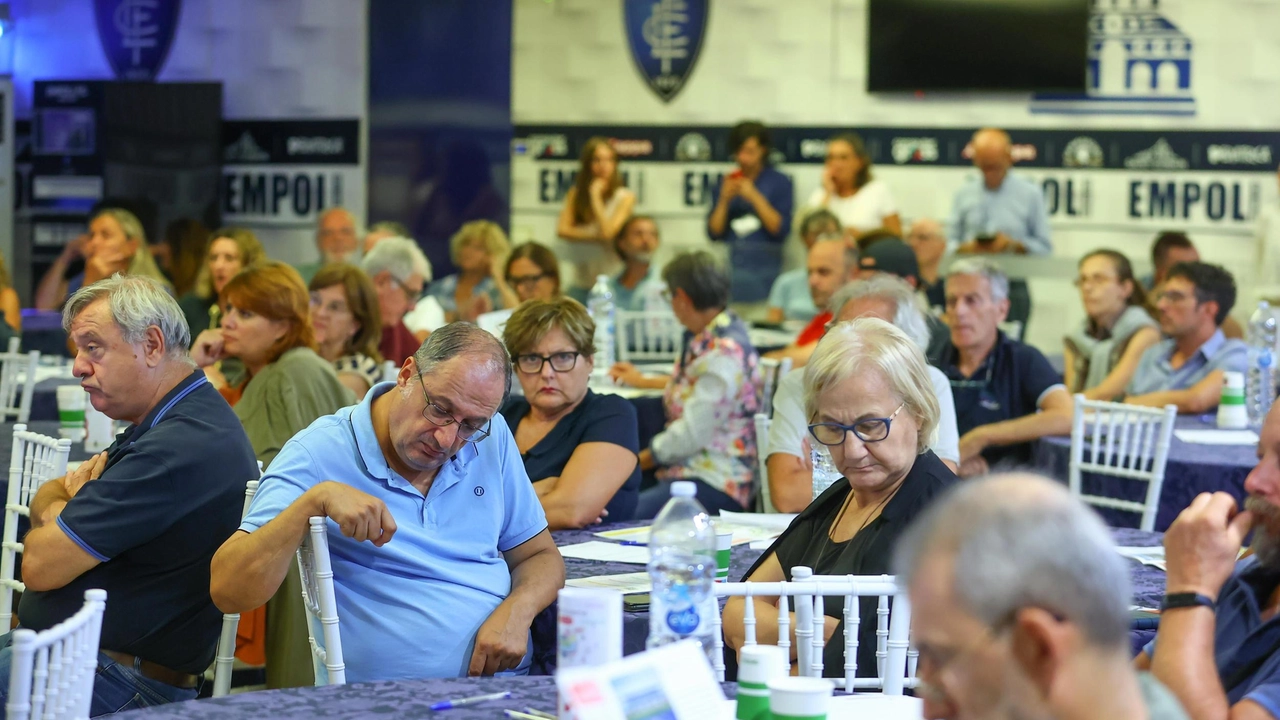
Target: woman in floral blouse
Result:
[711, 397]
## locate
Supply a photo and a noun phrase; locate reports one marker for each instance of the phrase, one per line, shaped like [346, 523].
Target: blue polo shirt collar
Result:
[376, 463]
[171, 398]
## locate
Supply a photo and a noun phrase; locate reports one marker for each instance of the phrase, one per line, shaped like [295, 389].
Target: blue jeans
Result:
[655, 498]
[116, 688]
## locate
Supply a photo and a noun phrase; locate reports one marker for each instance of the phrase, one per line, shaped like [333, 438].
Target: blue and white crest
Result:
[136, 35]
[665, 37]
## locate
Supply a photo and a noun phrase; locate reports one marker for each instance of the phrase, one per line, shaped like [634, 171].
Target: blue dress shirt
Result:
[1016, 209]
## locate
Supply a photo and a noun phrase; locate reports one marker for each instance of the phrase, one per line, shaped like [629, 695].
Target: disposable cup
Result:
[757, 665]
[799, 698]
[71, 402]
[724, 553]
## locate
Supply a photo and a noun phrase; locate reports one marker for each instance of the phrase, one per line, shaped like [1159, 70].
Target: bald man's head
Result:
[831, 263]
[336, 235]
[992, 155]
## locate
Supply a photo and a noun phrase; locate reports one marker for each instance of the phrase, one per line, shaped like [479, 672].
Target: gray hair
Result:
[136, 303]
[1019, 541]
[852, 348]
[399, 256]
[464, 338]
[907, 316]
[700, 276]
[986, 268]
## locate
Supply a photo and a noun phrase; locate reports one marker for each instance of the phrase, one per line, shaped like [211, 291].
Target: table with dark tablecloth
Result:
[44, 397]
[42, 330]
[1192, 469]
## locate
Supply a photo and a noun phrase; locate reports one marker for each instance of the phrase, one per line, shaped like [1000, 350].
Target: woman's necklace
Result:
[870, 515]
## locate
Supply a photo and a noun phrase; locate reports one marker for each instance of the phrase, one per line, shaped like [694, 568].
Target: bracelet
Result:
[1174, 601]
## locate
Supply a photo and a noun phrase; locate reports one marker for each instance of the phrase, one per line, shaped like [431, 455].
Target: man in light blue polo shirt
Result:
[1003, 213]
[1186, 368]
[458, 559]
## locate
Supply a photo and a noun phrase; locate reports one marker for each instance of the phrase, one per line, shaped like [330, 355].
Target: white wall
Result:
[802, 63]
[296, 59]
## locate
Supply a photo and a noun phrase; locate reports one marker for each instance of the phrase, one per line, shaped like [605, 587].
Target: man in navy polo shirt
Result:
[1006, 393]
[458, 558]
[143, 519]
[1218, 647]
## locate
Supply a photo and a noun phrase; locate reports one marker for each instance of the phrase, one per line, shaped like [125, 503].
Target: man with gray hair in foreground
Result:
[143, 519]
[1019, 608]
[441, 553]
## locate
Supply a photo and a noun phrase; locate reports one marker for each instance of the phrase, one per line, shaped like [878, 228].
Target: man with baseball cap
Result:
[891, 255]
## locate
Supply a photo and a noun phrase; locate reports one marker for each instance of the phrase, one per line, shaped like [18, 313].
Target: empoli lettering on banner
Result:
[1194, 199]
[275, 194]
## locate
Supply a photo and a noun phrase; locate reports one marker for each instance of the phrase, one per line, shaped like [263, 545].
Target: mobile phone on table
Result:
[636, 602]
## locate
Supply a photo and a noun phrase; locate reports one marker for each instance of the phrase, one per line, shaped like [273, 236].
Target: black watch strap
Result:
[1173, 601]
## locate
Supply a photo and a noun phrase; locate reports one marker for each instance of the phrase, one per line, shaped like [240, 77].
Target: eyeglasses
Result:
[1173, 296]
[868, 430]
[436, 414]
[525, 280]
[560, 362]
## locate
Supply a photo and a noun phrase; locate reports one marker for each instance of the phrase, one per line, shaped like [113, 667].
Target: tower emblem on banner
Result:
[1139, 64]
[136, 34]
[665, 37]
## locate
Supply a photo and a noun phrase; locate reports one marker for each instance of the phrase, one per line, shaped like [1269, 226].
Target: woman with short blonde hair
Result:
[579, 448]
[479, 249]
[869, 400]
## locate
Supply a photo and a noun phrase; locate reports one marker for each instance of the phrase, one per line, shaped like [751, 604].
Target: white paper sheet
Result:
[1217, 437]
[673, 681]
[1152, 556]
[606, 552]
[743, 533]
[625, 583]
[776, 521]
[635, 534]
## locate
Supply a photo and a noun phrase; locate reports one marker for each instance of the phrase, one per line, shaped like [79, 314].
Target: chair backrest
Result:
[1012, 329]
[806, 592]
[36, 459]
[1125, 441]
[648, 336]
[17, 382]
[52, 671]
[771, 372]
[321, 603]
[764, 501]
[225, 657]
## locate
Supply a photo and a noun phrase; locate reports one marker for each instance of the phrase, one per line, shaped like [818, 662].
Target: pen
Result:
[446, 704]
[632, 543]
[517, 715]
[538, 713]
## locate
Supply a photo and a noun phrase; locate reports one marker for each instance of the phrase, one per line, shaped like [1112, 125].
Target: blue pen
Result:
[632, 543]
[447, 704]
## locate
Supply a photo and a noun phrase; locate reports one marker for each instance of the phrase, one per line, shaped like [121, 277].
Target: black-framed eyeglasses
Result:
[867, 430]
[437, 416]
[524, 280]
[560, 362]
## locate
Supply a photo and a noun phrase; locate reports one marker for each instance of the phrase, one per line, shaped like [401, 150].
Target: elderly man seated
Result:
[143, 519]
[399, 272]
[1034, 629]
[1218, 646]
[831, 263]
[441, 553]
[790, 474]
[336, 241]
[1186, 368]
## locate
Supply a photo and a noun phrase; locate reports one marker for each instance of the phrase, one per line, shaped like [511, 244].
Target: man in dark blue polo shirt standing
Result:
[1006, 393]
[142, 519]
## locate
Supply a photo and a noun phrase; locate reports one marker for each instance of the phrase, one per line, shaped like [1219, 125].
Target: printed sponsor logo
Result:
[547, 146]
[918, 149]
[813, 148]
[693, 147]
[1160, 156]
[315, 145]
[1021, 152]
[1083, 152]
[631, 148]
[245, 150]
[1239, 154]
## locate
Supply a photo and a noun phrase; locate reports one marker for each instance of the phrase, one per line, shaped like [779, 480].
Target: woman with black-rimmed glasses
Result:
[870, 401]
[579, 448]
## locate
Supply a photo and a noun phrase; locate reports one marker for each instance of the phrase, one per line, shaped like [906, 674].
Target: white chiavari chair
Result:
[1124, 441]
[771, 372]
[648, 336]
[895, 663]
[764, 500]
[52, 671]
[321, 603]
[36, 459]
[225, 657]
[17, 382]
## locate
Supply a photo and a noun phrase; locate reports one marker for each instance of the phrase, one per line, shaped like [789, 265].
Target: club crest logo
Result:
[136, 35]
[665, 37]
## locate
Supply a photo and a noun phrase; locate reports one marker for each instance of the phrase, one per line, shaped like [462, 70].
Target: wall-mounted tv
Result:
[1000, 45]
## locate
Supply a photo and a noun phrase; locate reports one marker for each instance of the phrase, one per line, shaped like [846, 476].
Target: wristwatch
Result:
[1173, 601]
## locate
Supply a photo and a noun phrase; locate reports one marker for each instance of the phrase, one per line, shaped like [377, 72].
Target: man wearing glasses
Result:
[440, 548]
[1186, 368]
[1039, 629]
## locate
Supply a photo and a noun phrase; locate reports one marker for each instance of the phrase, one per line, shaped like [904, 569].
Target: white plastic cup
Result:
[588, 627]
[1232, 413]
[72, 400]
[757, 665]
[724, 554]
[799, 698]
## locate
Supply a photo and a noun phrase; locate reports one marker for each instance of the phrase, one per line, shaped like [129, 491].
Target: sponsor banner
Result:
[1210, 150]
[291, 142]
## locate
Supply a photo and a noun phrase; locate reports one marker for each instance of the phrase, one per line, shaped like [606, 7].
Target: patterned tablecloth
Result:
[1192, 469]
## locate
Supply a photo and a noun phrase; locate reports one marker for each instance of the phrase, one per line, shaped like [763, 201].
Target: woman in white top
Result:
[595, 209]
[861, 203]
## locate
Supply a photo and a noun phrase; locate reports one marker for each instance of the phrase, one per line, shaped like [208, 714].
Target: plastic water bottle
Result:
[1260, 380]
[825, 473]
[682, 568]
[601, 308]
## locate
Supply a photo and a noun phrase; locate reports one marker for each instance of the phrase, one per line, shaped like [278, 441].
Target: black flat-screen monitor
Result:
[1014, 45]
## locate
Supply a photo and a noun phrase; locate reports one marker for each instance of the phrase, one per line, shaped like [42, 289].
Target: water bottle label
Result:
[683, 621]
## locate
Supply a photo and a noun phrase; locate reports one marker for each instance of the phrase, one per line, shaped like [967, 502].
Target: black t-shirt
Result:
[598, 418]
[807, 542]
[171, 494]
[1008, 384]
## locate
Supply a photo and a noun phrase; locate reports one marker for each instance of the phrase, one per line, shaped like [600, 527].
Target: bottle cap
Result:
[683, 488]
